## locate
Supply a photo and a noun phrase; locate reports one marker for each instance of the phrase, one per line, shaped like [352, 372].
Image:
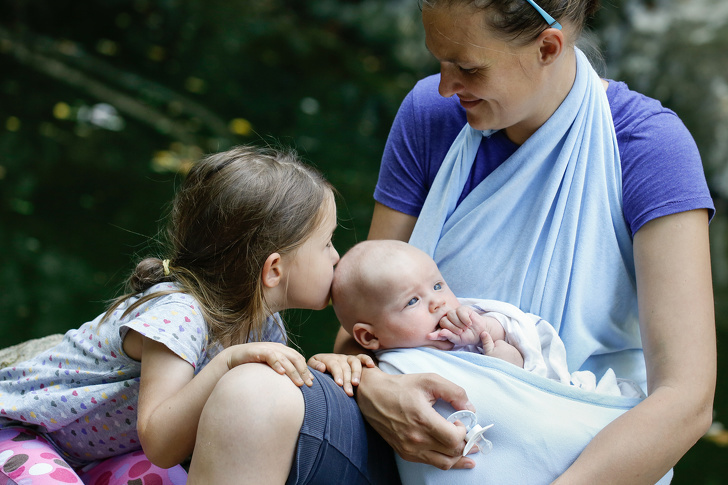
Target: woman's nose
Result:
[449, 80]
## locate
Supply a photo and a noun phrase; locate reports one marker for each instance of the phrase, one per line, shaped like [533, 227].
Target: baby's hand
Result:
[345, 369]
[461, 326]
[279, 357]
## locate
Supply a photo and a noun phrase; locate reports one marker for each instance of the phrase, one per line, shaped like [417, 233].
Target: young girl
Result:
[118, 401]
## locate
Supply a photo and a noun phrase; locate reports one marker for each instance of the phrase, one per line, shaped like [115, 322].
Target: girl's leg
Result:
[132, 469]
[29, 459]
[248, 429]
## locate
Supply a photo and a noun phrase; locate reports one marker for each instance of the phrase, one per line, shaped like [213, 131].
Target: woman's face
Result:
[497, 83]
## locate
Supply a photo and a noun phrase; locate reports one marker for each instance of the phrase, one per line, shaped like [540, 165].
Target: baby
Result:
[388, 294]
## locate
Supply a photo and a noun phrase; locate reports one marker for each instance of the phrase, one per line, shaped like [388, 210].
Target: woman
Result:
[631, 228]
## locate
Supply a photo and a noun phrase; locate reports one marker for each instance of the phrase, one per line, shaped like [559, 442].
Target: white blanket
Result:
[543, 351]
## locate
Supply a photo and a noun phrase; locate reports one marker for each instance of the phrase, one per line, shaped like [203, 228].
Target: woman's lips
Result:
[469, 103]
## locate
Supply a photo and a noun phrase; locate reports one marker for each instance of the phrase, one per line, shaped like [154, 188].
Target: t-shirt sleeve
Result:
[421, 134]
[401, 184]
[664, 174]
[274, 330]
[176, 322]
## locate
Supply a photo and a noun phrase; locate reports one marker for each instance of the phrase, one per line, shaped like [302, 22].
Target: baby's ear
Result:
[364, 334]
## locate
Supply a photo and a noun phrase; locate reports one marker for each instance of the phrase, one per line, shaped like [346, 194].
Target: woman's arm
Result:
[171, 397]
[390, 224]
[677, 324]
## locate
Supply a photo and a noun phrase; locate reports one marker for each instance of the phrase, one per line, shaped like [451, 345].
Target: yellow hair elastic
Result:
[165, 263]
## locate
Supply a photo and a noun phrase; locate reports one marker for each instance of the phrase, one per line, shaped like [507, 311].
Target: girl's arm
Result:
[677, 324]
[171, 397]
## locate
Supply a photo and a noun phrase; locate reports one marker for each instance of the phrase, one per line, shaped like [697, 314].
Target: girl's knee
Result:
[254, 393]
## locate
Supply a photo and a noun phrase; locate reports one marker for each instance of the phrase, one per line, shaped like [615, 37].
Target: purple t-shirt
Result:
[662, 172]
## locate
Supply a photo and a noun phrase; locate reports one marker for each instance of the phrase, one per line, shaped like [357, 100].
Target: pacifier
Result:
[474, 435]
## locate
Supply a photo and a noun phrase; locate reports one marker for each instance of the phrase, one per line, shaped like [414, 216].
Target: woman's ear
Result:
[551, 45]
[272, 271]
[364, 334]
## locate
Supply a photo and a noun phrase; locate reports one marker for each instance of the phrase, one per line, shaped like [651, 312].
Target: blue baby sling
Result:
[545, 232]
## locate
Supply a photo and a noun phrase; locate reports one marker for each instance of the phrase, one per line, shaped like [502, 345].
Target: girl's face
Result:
[312, 269]
[498, 84]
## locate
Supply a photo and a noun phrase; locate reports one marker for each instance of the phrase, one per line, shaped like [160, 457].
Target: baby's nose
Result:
[436, 304]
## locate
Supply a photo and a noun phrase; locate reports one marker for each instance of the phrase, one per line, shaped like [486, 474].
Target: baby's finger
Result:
[464, 315]
[436, 335]
[450, 322]
[450, 336]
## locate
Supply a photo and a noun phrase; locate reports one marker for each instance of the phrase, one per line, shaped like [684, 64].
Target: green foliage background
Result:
[82, 196]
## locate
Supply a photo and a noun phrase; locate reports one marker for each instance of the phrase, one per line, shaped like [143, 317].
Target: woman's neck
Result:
[554, 87]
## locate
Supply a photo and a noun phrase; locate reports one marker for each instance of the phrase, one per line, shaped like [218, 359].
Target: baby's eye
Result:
[437, 287]
[413, 301]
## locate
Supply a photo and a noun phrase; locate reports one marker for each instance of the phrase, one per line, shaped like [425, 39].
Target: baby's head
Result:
[389, 294]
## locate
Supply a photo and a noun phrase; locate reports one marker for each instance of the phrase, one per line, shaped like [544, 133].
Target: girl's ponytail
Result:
[148, 273]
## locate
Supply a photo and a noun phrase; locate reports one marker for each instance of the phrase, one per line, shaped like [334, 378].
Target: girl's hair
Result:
[234, 209]
[518, 21]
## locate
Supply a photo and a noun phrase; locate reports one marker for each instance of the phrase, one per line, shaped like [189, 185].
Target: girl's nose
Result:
[449, 80]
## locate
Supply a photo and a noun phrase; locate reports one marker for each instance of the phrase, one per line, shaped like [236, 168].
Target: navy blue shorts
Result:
[336, 445]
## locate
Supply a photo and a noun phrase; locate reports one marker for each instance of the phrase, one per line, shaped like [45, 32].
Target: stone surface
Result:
[25, 350]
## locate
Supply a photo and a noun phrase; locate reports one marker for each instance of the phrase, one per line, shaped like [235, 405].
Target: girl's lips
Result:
[467, 104]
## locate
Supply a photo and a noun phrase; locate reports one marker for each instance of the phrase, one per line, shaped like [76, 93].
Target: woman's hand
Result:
[279, 357]
[345, 369]
[399, 408]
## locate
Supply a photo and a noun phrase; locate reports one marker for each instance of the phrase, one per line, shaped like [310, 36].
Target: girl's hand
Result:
[279, 357]
[345, 369]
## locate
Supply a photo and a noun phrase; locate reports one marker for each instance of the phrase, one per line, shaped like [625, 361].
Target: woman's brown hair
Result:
[517, 20]
[234, 209]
